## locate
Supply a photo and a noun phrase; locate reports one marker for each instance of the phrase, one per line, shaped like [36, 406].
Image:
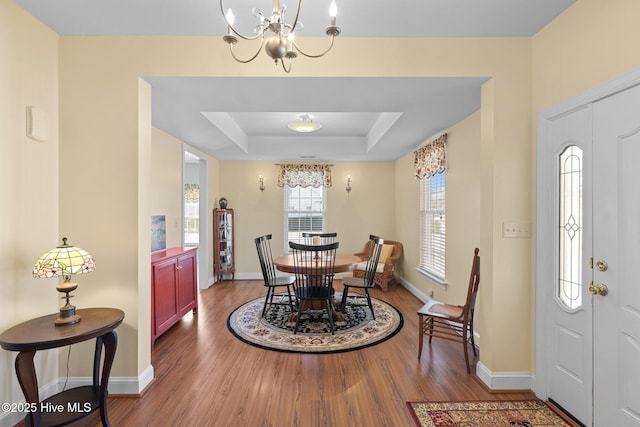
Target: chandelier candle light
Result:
[280, 44]
[64, 261]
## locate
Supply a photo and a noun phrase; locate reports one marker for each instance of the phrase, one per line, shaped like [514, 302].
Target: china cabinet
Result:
[223, 250]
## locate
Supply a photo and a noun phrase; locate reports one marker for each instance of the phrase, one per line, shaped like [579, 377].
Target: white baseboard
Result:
[504, 380]
[249, 276]
[117, 385]
[415, 291]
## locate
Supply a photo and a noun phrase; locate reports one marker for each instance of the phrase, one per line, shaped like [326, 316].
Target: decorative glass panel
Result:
[570, 231]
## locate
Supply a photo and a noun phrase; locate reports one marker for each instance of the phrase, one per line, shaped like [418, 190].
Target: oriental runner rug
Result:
[274, 331]
[526, 413]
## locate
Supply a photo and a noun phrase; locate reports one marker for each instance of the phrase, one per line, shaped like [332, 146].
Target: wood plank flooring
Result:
[207, 377]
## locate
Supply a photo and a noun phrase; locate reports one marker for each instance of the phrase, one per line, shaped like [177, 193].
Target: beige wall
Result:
[367, 209]
[463, 212]
[99, 101]
[166, 188]
[29, 194]
[103, 139]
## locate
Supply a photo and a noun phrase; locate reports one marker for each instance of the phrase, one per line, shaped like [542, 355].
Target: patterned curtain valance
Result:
[431, 158]
[304, 175]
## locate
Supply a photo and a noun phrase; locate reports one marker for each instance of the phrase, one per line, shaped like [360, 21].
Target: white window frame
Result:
[307, 211]
[433, 242]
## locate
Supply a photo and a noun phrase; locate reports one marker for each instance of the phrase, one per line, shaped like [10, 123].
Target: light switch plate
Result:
[516, 230]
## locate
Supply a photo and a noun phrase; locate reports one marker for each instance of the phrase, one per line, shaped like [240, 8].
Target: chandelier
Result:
[279, 42]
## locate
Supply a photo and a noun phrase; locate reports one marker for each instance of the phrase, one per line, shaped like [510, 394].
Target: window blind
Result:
[433, 225]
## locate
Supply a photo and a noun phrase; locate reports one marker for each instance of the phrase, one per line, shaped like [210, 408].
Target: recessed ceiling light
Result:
[304, 124]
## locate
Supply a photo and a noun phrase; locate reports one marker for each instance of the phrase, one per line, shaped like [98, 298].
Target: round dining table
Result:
[343, 263]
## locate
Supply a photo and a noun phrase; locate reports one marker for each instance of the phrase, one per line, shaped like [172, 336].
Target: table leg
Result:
[109, 341]
[420, 334]
[26, 372]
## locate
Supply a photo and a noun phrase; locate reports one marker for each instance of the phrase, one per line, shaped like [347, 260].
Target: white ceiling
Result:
[363, 118]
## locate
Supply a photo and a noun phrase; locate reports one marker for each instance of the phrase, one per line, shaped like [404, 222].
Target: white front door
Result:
[616, 251]
[564, 256]
[588, 250]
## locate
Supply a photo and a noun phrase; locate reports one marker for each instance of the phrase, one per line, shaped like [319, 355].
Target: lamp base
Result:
[67, 316]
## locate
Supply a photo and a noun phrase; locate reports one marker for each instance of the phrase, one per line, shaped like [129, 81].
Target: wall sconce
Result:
[261, 181]
[348, 188]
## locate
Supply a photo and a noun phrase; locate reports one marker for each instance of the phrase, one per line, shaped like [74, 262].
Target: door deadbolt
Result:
[602, 265]
[599, 289]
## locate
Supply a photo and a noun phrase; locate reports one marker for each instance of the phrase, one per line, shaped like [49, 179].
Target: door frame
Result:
[545, 222]
[204, 281]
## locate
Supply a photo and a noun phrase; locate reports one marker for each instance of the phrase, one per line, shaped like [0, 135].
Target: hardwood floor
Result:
[207, 377]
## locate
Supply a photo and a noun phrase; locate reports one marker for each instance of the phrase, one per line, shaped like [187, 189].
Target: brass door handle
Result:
[602, 265]
[599, 289]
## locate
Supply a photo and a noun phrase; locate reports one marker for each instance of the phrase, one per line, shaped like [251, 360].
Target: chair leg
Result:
[295, 331]
[343, 301]
[330, 314]
[465, 343]
[290, 299]
[430, 326]
[366, 291]
[267, 300]
[420, 334]
[473, 343]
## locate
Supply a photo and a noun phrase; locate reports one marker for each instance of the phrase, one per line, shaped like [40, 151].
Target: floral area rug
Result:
[525, 413]
[275, 331]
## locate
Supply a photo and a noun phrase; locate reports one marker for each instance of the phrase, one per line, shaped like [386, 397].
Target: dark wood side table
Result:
[41, 334]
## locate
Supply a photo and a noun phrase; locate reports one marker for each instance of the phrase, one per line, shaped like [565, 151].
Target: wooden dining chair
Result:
[271, 280]
[452, 322]
[314, 269]
[367, 281]
[321, 238]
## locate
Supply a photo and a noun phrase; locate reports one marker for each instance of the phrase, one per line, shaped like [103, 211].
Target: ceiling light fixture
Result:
[280, 44]
[304, 124]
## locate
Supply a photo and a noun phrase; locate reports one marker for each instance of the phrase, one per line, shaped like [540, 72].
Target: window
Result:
[569, 289]
[432, 210]
[305, 211]
[191, 214]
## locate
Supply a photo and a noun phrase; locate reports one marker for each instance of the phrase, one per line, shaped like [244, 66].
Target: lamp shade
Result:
[304, 124]
[64, 260]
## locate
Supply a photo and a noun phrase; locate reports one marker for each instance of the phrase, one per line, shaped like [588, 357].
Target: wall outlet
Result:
[516, 229]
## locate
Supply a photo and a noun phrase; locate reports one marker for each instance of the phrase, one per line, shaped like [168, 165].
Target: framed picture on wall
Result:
[158, 233]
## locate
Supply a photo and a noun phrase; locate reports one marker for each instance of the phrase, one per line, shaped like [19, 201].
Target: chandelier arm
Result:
[284, 67]
[314, 56]
[246, 61]
[236, 32]
[295, 21]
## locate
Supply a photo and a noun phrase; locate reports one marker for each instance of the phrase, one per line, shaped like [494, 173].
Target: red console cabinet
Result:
[174, 288]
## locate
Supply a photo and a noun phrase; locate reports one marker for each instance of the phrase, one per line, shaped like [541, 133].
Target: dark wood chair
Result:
[452, 322]
[321, 238]
[314, 268]
[271, 280]
[367, 281]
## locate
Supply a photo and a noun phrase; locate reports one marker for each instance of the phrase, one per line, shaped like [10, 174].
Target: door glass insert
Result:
[569, 290]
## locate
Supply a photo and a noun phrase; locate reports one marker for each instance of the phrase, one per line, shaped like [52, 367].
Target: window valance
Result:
[304, 175]
[431, 158]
